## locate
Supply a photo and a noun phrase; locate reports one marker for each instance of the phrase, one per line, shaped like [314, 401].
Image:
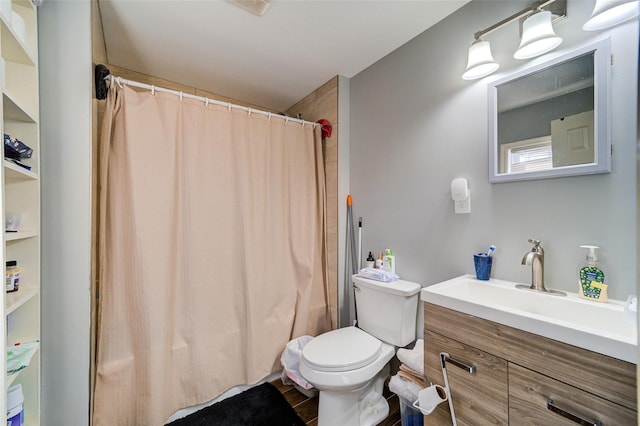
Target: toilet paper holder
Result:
[429, 398]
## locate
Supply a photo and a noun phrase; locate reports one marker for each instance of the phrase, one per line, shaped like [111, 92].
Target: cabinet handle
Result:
[445, 357]
[571, 416]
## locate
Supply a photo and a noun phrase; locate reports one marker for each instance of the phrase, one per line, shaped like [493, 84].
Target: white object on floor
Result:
[290, 360]
[413, 358]
[405, 389]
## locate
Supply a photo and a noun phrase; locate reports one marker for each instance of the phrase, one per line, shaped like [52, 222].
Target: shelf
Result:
[13, 49]
[18, 298]
[20, 235]
[12, 111]
[13, 172]
[21, 192]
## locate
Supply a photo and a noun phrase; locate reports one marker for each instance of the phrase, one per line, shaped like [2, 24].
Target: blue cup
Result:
[482, 262]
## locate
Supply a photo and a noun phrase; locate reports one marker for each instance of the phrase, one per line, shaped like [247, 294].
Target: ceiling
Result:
[273, 60]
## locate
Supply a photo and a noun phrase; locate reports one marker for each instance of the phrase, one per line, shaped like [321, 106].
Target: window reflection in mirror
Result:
[550, 121]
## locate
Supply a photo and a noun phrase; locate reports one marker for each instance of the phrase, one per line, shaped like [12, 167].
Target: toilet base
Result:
[361, 407]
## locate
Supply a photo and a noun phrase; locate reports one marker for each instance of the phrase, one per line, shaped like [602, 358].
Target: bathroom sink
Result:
[605, 328]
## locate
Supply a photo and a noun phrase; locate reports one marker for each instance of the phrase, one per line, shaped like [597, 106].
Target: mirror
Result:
[552, 120]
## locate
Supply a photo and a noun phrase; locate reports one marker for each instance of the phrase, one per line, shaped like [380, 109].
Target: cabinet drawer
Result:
[478, 398]
[529, 392]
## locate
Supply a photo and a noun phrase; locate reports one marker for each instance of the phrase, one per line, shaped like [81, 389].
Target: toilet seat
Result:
[340, 350]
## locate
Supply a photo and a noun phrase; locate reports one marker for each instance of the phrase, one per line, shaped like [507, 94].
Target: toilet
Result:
[349, 365]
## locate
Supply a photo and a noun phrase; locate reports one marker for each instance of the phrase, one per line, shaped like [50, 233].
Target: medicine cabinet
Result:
[552, 119]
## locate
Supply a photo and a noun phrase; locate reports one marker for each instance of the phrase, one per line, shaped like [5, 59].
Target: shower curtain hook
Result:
[180, 95]
[153, 90]
[119, 82]
[286, 119]
[269, 116]
[206, 102]
[249, 111]
[229, 106]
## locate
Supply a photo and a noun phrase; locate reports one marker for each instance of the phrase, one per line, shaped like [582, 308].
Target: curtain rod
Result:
[121, 81]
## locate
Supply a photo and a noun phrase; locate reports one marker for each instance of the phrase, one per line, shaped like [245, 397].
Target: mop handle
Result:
[359, 243]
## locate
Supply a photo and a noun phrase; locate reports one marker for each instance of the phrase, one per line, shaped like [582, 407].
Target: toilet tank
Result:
[387, 311]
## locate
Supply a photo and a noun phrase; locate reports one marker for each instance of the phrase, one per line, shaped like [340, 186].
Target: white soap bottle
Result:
[389, 261]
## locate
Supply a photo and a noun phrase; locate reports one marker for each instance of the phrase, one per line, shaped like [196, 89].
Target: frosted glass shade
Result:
[538, 36]
[480, 62]
[608, 13]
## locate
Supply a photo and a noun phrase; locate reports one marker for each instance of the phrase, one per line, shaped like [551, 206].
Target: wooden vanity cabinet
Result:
[517, 373]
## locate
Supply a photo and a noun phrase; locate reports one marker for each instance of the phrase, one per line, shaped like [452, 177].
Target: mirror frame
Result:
[602, 111]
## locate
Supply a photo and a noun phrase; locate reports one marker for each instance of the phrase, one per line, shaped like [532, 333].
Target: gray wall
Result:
[416, 125]
[65, 112]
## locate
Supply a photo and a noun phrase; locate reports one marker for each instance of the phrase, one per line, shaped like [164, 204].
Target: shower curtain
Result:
[212, 252]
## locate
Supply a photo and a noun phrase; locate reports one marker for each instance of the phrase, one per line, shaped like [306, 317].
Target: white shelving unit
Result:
[21, 193]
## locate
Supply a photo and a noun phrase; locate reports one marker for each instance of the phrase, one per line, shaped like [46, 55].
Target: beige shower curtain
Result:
[211, 251]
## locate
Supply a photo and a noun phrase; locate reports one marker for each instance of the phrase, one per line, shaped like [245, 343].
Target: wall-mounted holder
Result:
[461, 195]
[99, 73]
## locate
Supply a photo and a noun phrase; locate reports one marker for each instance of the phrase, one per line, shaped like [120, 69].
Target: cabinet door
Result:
[529, 393]
[479, 398]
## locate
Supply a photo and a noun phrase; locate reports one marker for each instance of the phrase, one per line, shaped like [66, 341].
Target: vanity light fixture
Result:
[480, 62]
[538, 37]
[608, 13]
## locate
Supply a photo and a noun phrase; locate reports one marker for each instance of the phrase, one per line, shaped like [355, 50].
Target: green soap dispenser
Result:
[591, 278]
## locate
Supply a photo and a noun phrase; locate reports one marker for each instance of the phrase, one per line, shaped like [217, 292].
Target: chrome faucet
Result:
[535, 259]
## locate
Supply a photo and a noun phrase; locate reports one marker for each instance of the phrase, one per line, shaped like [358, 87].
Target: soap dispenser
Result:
[591, 277]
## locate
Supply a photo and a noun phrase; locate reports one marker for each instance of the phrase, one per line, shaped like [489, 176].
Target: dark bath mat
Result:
[261, 405]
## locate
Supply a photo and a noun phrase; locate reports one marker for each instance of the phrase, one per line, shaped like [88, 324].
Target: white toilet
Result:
[349, 365]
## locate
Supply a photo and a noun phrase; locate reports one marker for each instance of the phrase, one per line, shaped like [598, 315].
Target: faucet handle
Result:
[534, 242]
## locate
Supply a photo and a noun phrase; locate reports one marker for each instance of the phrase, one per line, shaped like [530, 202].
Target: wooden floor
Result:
[307, 408]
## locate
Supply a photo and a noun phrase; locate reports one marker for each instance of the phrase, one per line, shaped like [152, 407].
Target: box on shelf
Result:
[15, 406]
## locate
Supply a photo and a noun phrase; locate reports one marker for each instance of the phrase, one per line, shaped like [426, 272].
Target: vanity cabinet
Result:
[521, 378]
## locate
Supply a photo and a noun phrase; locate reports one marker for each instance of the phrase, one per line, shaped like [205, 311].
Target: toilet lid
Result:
[343, 349]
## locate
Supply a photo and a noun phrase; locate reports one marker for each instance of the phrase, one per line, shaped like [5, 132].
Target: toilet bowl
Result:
[342, 364]
[350, 365]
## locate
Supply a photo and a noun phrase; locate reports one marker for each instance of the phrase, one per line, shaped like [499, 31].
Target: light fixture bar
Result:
[518, 15]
